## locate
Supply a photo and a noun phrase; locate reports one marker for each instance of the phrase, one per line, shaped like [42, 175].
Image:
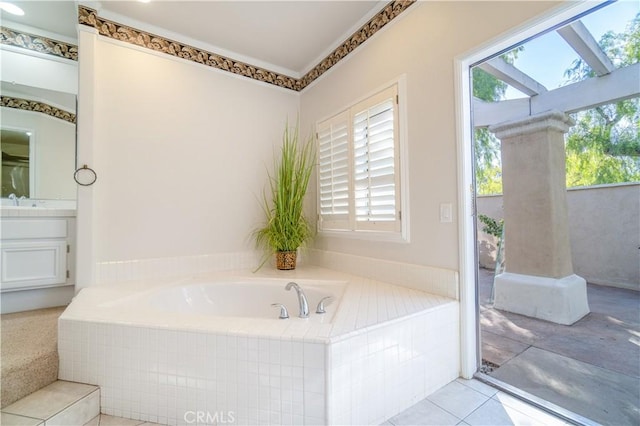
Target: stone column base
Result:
[559, 300]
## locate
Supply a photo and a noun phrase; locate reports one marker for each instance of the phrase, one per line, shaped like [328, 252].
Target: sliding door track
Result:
[537, 402]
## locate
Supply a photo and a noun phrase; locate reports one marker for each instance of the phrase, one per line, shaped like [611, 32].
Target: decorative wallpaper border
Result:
[89, 17]
[382, 18]
[41, 107]
[38, 44]
[126, 34]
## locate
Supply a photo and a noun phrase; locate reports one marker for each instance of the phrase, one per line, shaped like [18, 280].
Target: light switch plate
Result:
[446, 213]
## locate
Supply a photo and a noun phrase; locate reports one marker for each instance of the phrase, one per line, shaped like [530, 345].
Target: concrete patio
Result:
[591, 367]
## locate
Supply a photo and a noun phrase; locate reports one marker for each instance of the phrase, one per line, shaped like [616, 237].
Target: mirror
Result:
[38, 87]
[38, 142]
[16, 146]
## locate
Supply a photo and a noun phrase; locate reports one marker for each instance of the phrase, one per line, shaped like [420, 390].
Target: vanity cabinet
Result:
[36, 259]
[34, 253]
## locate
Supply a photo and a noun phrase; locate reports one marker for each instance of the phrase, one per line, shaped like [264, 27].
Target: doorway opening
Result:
[562, 361]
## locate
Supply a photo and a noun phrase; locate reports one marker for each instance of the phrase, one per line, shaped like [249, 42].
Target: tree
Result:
[487, 147]
[603, 146]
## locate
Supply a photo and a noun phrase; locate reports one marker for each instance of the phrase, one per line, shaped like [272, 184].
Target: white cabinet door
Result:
[33, 264]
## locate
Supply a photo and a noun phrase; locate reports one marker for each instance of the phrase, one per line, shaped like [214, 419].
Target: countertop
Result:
[15, 211]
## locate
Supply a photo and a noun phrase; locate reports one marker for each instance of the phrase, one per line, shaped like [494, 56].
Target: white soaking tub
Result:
[237, 298]
[212, 348]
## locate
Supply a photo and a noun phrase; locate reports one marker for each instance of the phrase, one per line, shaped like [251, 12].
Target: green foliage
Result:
[489, 180]
[604, 145]
[486, 87]
[491, 226]
[596, 168]
[286, 228]
[487, 147]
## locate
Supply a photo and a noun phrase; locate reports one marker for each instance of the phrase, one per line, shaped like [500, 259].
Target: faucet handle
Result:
[283, 310]
[320, 308]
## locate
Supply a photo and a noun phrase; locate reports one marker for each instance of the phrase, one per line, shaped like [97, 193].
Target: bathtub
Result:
[212, 350]
[244, 298]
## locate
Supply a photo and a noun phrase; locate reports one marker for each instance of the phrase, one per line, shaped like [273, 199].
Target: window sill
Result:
[394, 237]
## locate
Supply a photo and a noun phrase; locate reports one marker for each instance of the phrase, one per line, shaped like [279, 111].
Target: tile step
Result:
[60, 403]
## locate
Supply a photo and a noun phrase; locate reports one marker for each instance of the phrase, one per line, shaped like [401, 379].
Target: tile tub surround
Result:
[172, 267]
[370, 363]
[438, 281]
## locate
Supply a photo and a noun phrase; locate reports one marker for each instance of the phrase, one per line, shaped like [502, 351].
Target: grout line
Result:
[22, 415]
[445, 410]
[479, 407]
[471, 387]
[57, 412]
[72, 403]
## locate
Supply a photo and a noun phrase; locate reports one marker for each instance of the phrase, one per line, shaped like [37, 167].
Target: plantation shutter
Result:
[375, 162]
[334, 172]
[359, 167]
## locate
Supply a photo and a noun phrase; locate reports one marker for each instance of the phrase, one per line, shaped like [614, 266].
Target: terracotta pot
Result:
[286, 260]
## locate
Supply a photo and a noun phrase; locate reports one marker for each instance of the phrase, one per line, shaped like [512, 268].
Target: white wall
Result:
[55, 147]
[180, 150]
[38, 70]
[422, 43]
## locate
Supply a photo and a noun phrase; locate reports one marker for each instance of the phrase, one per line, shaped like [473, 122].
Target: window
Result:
[359, 167]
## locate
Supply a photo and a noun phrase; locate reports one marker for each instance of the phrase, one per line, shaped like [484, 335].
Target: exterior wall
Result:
[490, 205]
[421, 44]
[604, 225]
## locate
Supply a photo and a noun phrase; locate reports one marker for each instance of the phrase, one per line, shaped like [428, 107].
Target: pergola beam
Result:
[581, 40]
[620, 84]
[511, 75]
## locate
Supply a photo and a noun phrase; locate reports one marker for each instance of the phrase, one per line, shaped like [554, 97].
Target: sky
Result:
[545, 58]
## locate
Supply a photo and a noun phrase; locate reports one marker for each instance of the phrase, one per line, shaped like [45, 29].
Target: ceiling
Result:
[58, 17]
[289, 37]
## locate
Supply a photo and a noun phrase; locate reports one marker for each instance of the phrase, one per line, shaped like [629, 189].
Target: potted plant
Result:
[286, 228]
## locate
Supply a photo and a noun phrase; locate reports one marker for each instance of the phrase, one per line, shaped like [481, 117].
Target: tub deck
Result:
[365, 303]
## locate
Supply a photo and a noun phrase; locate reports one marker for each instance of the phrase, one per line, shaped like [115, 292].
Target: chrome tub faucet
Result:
[302, 299]
[325, 300]
[283, 310]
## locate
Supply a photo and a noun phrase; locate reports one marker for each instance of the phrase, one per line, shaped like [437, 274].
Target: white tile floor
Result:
[105, 420]
[461, 402]
[471, 402]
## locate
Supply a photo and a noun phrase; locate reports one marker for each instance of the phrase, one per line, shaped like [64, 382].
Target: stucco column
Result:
[539, 279]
